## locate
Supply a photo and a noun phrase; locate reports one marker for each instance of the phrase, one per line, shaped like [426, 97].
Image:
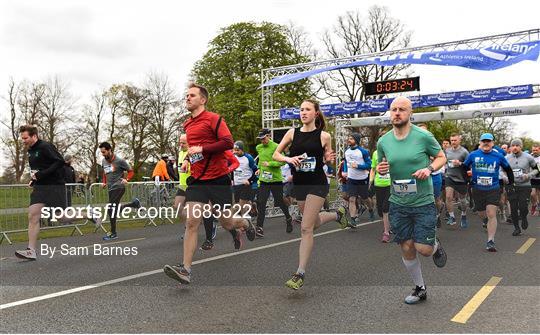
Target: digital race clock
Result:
[392, 86]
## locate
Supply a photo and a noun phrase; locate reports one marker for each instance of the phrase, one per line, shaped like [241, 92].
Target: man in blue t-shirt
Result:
[485, 164]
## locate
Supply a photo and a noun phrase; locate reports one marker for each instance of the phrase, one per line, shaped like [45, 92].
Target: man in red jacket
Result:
[208, 138]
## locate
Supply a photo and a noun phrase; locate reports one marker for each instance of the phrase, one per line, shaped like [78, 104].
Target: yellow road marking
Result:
[468, 310]
[526, 246]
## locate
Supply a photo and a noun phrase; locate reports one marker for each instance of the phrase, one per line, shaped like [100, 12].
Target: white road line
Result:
[149, 273]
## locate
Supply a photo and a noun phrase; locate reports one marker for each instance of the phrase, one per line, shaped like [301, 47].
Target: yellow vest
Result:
[183, 176]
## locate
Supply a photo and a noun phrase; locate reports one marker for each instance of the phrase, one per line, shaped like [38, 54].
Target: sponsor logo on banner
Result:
[446, 97]
[379, 104]
[507, 51]
[481, 94]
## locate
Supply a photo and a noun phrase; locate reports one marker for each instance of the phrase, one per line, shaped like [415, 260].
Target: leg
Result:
[352, 207]
[310, 220]
[192, 226]
[491, 212]
[277, 193]
[450, 202]
[34, 214]
[115, 196]
[262, 198]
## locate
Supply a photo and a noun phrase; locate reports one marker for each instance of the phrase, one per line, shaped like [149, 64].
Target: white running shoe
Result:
[26, 254]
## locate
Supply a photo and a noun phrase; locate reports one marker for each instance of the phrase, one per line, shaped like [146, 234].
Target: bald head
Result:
[183, 142]
[400, 111]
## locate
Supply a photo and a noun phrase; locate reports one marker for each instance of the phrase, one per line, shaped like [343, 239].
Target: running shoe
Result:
[259, 232]
[439, 257]
[418, 294]
[509, 221]
[178, 272]
[451, 221]
[490, 246]
[385, 238]
[250, 231]
[516, 232]
[296, 282]
[26, 254]
[136, 203]
[463, 223]
[214, 230]
[110, 236]
[237, 239]
[343, 218]
[289, 228]
[207, 245]
[371, 215]
[524, 223]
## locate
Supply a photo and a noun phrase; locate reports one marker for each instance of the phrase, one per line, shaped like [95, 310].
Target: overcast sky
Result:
[93, 44]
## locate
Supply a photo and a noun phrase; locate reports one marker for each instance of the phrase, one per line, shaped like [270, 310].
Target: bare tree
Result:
[89, 130]
[12, 146]
[58, 104]
[161, 103]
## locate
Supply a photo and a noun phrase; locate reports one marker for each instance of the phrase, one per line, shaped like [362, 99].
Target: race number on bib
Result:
[307, 165]
[518, 173]
[108, 169]
[195, 158]
[385, 176]
[266, 175]
[484, 181]
[405, 186]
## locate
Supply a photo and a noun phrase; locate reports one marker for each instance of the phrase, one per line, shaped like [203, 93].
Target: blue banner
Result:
[430, 100]
[487, 59]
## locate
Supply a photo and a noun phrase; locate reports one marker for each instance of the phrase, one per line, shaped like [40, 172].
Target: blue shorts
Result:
[413, 223]
[437, 184]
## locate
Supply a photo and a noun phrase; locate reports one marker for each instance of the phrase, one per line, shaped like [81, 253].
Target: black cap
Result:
[263, 133]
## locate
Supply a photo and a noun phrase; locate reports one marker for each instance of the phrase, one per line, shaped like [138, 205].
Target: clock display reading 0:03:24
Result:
[393, 86]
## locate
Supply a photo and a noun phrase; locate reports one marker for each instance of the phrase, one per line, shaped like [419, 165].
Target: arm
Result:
[232, 161]
[224, 139]
[329, 154]
[252, 164]
[285, 142]
[367, 160]
[506, 167]
[534, 168]
[58, 163]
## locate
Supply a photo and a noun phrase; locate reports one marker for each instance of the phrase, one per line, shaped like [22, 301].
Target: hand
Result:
[31, 183]
[184, 166]
[510, 188]
[103, 185]
[123, 181]
[354, 165]
[257, 172]
[33, 176]
[383, 168]
[294, 160]
[370, 187]
[456, 162]
[422, 174]
[329, 156]
[525, 177]
[265, 164]
[197, 149]
[246, 182]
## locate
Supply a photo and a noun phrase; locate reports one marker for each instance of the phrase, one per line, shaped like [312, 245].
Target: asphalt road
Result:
[354, 284]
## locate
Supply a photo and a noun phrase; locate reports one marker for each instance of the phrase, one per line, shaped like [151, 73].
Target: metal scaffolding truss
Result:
[271, 114]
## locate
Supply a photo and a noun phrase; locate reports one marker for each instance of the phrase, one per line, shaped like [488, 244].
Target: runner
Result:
[382, 194]
[405, 153]
[524, 167]
[456, 180]
[356, 167]
[485, 164]
[270, 180]
[208, 138]
[116, 174]
[47, 183]
[244, 175]
[535, 182]
[310, 148]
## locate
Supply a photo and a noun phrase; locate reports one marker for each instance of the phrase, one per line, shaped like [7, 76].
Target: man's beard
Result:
[401, 123]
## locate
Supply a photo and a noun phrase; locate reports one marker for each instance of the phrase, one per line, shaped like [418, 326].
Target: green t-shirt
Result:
[405, 157]
[379, 181]
[272, 172]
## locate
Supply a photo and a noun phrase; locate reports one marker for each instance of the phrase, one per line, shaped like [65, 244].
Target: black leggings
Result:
[519, 201]
[115, 196]
[262, 197]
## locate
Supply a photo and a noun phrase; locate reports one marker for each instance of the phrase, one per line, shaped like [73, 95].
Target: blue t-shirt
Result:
[485, 169]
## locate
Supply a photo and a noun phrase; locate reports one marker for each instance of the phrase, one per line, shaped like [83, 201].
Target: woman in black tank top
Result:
[310, 148]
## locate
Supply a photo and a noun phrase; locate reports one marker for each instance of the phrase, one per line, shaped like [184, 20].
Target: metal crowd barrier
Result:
[14, 202]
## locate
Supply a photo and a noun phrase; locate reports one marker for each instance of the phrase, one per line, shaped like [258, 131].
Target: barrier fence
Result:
[15, 199]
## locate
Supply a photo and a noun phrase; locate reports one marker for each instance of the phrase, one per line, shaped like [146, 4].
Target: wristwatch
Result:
[430, 168]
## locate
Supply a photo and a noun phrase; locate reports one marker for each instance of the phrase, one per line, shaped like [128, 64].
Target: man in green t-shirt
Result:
[382, 194]
[270, 180]
[405, 153]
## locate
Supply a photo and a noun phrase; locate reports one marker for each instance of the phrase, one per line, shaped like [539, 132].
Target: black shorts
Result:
[382, 195]
[357, 188]
[459, 186]
[243, 192]
[484, 198]
[180, 193]
[535, 183]
[300, 192]
[50, 195]
[218, 191]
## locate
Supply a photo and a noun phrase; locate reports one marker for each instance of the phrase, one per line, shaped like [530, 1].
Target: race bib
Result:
[195, 158]
[307, 165]
[267, 175]
[450, 164]
[484, 181]
[108, 169]
[385, 176]
[518, 173]
[405, 186]
[238, 172]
